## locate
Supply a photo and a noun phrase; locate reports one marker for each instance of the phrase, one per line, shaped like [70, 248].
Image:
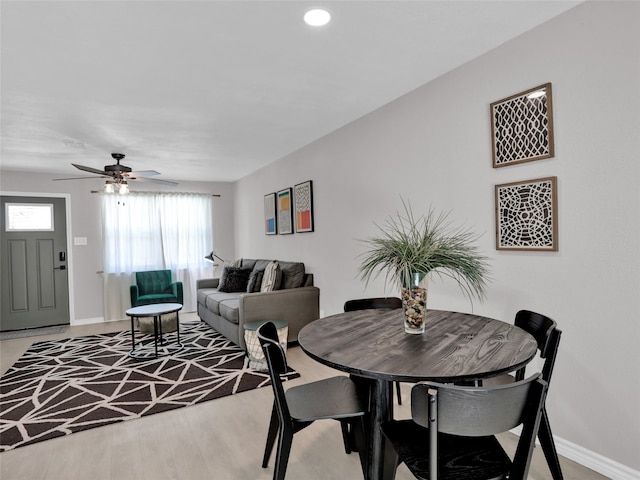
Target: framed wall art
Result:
[522, 127]
[270, 217]
[285, 212]
[527, 215]
[303, 206]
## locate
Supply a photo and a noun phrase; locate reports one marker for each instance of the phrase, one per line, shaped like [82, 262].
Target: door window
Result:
[28, 217]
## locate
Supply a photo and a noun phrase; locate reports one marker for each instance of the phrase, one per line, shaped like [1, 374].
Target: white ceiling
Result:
[214, 90]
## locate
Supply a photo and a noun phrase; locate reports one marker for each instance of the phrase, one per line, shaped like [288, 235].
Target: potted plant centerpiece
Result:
[409, 249]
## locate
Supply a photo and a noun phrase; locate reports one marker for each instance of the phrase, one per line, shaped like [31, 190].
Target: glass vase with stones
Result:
[414, 303]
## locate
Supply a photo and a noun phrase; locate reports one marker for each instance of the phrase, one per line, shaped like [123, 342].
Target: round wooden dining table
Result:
[372, 346]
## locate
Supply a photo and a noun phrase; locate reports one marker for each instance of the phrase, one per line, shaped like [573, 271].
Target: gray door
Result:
[35, 284]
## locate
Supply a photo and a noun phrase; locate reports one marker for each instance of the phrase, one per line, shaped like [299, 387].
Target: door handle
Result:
[61, 267]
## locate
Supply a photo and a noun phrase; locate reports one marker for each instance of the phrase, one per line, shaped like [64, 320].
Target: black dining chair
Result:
[386, 303]
[547, 334]
[298, 407]
[451, 433]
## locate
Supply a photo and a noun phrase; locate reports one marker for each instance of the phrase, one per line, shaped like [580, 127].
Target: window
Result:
[154, 231]
[25, 217]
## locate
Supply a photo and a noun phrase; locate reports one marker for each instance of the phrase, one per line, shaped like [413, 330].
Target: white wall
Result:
[86, 222]
[433, 147]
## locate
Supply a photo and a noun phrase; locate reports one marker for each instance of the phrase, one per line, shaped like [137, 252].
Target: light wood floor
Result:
[218, 440]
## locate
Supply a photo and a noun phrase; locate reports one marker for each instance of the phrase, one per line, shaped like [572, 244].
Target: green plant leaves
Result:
[428, 243]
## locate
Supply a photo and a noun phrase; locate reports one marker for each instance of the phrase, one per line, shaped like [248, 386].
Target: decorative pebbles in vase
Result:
[414, 304]
[410, 248]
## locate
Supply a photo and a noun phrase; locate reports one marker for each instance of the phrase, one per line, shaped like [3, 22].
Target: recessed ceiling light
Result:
[317, 17]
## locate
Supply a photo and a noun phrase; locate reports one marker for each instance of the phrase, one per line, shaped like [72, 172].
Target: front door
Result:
[35, 283]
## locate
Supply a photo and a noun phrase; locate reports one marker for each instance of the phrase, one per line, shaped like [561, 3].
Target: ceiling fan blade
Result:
[89, 169]
[74, 178]
[144, 173]
[154, 180]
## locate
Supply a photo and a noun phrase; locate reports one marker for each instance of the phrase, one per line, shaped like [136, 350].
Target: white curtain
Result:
[154, 231]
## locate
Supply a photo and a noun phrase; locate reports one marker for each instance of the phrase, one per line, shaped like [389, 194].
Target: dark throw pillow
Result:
[234, 279]
[292, 274]
[255, 281]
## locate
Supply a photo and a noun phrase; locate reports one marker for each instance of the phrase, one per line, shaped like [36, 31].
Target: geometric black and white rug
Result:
[64, 386]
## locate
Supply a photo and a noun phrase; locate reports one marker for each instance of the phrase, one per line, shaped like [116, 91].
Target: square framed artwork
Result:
[270, 216]
[303, 206]
[285, 212]
[522, 127]
[527, 215]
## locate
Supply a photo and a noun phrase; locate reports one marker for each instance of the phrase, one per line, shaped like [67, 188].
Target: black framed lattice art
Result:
[527, 215]
[522, 127]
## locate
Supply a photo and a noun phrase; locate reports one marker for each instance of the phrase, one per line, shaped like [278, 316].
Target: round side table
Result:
[155, 310]
[254, 350]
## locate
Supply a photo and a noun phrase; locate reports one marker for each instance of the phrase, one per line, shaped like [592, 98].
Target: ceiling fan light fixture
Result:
[119, 174]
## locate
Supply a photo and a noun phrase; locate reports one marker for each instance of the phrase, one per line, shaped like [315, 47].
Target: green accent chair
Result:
[155, 286]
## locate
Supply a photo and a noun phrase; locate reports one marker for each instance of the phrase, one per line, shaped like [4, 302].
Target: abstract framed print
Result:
[522, 127]
[303, 206]
[270, 216]
[285, 212]
[527, 215]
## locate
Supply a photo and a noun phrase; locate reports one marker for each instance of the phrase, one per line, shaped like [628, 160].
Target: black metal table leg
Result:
[178, 327]
[133, 336]
[155, 332]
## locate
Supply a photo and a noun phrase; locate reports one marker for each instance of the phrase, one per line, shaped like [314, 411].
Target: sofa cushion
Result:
[234, 279]
[271, 278]
[292, 274]
[249, 263]
[157, 298]
[262, 264]
[230, 309]
[255, 281]
[203, 293]
[233, 263]
[214, 299]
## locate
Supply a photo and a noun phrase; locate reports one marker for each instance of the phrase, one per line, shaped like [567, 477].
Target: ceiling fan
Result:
[120, 174]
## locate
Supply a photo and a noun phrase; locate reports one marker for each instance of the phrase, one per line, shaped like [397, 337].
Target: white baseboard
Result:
[595, 461]
[88, 321]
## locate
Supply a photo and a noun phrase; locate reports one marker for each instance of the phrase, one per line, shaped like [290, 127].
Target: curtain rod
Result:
[213, 194]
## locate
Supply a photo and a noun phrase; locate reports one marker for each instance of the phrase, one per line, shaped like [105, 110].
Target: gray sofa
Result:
[295, 301]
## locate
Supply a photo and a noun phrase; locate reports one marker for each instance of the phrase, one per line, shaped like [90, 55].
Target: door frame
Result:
[67, 206]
